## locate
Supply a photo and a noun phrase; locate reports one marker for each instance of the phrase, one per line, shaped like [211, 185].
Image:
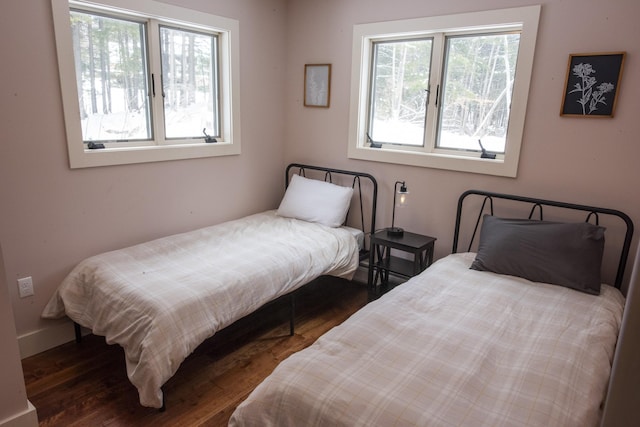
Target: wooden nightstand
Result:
[382, 263]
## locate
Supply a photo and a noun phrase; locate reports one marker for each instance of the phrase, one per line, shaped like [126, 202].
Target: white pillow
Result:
[316, 201]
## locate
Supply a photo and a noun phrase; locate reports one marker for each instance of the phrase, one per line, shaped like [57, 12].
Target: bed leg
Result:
[78, 332]
[164, 404]
[292, 315]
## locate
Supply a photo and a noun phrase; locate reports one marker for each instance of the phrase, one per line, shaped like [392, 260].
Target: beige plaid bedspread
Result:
[159, 300]
[451, 347]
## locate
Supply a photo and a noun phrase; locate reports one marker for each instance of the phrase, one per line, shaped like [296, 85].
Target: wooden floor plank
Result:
[86, 384]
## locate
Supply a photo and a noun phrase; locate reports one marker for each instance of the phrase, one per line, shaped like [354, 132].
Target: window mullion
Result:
[156, 92]
[435, 77]
[425, 153]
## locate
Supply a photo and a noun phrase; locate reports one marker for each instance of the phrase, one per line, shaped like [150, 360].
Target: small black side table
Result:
[381, 263]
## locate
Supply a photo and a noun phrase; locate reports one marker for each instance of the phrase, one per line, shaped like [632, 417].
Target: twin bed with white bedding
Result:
[477, 339]
[159, 300]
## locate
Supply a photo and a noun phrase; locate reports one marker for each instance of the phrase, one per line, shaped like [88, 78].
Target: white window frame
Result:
[229, 52]
[523, 18]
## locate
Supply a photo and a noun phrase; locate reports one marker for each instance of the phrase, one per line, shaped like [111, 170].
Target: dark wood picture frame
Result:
[592, 84]
[317, 85]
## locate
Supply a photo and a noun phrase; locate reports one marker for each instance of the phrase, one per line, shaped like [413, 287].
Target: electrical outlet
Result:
[25, 287]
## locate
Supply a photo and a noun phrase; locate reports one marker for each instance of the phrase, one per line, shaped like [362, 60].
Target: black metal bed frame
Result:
[356, 185]
[592, 214]
[328, 176]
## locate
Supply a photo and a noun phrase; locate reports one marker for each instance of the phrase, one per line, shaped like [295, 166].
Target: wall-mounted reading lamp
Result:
[402, 194]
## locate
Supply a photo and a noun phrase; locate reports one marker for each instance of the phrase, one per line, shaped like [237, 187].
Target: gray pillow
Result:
[565, 254]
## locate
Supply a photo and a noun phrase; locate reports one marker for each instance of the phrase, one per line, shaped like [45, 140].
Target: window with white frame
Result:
[446, 92]
[145, 81]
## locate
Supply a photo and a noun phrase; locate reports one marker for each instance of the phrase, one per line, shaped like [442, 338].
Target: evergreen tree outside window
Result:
[189, 83]
[111, 69]
[151, 82]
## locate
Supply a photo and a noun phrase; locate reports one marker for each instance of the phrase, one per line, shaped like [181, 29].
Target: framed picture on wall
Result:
[317, 85]
[592, 84]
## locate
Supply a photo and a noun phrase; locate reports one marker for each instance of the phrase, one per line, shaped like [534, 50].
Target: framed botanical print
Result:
[592, 84]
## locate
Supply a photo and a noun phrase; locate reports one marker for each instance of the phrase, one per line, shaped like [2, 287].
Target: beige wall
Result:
[590, 161]
[52, 217]
[15, 409]
[623, 400]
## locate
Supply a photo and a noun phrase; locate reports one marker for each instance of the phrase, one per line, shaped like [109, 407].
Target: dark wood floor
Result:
[86, 384]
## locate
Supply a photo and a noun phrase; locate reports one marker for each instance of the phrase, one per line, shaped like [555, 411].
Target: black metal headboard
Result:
[356, 179]
[592, 215]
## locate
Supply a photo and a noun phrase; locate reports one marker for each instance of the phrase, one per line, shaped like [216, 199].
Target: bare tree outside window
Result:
[473, 101]
[477, 89]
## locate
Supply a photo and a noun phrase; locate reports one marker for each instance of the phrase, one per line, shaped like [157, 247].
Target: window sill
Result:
[507, 166]
[85, 158]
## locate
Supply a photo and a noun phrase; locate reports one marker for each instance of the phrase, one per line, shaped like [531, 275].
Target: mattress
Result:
[451, 347]
[358, 234]
[159, 300]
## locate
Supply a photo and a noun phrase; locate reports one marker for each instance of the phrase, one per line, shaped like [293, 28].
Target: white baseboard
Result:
[44, 339]
[27, 418]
